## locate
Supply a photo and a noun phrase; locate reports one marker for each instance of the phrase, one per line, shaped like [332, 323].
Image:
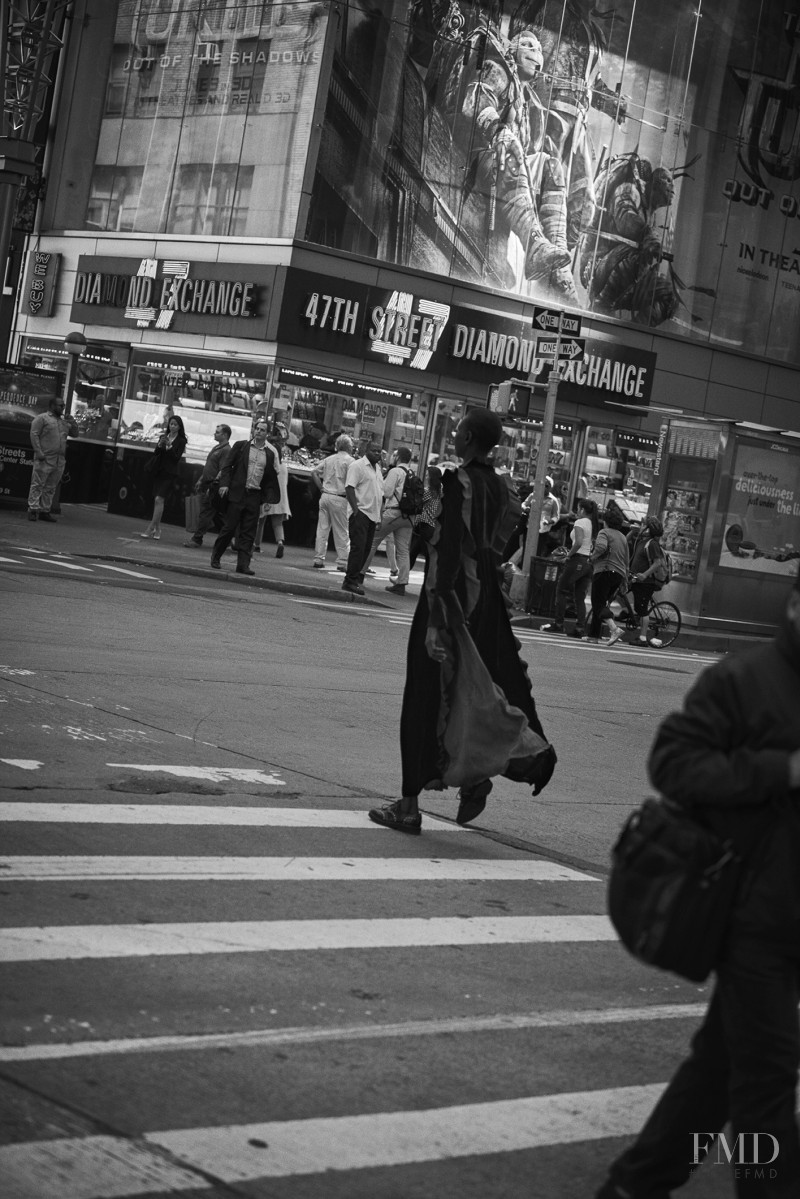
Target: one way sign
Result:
[550, 320]
[572, 347]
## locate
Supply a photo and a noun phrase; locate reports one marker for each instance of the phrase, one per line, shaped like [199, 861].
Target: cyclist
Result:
[644, 559]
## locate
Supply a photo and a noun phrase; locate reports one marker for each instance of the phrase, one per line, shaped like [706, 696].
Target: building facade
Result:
[362, 218]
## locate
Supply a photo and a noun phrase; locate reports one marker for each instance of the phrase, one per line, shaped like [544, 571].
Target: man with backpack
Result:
[399, 506]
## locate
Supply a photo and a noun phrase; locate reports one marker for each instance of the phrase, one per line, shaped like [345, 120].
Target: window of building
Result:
[114, 198]
[211, 200]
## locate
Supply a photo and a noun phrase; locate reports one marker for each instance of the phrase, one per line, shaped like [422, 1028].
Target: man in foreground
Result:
[733, 756]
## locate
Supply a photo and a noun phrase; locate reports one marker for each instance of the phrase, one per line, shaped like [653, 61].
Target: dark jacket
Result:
[234, 473]
[726, 755]
[214, 464]
[165, 461]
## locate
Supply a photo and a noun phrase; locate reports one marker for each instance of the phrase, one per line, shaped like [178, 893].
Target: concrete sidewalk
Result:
[89, 531]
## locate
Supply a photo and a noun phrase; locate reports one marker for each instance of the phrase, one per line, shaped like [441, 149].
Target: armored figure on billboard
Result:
[498, 120]
[621, 250]
[573, 44]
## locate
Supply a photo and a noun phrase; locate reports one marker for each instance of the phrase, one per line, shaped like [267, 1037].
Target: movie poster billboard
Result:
[638, 160]
[203, 124]
[762, 523]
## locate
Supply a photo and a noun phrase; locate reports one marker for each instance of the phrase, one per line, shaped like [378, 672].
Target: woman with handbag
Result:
[163, 468]
[461, 631]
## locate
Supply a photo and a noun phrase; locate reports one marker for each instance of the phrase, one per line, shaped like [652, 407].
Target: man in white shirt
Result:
[393, 521]
[331, 478]
[364, 491]
[551, 509]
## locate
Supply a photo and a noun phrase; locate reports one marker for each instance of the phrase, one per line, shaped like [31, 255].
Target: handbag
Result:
[672, 888]
[482, 732]
[192, 506]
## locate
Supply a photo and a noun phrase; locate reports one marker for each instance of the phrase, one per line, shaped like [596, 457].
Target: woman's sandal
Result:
[390, 816]
[472, 801]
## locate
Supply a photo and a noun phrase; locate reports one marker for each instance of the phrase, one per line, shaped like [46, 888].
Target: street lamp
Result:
[74, 344]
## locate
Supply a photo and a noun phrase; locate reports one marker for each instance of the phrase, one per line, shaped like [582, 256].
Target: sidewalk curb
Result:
[230, 576]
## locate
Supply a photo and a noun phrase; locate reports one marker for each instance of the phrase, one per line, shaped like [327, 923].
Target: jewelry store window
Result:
[99, 380]
[202, 391]
[314, 417]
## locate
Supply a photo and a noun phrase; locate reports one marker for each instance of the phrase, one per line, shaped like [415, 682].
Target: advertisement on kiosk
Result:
[24, 393]
[762, 521]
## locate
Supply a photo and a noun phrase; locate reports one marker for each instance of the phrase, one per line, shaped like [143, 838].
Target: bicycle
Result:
[662, 616]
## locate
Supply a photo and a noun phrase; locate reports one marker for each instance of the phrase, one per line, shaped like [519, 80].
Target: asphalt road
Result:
[219, 978]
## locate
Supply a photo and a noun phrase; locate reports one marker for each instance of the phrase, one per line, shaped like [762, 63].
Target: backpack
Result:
[663, 565]
[411, 499]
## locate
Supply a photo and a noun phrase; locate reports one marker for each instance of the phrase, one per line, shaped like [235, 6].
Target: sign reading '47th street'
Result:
[552, 320]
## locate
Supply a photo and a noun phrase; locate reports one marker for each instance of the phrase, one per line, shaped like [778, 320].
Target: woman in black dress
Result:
[462, 578]
[163, 469]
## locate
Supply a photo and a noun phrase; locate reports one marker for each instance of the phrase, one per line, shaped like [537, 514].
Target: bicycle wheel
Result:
[664, 619]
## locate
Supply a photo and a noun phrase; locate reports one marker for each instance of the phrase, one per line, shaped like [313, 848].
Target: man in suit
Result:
[248, 479]
[209, 513]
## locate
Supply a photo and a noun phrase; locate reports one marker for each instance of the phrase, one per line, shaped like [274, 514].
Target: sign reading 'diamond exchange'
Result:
[230, 300]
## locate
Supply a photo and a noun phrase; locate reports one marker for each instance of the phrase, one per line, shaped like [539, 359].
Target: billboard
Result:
[192, 118]
[638, 161]
[761, 532]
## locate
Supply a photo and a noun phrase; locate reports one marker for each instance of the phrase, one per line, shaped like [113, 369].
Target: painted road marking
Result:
[108, 1167]
[213, 774]
[528, 636]
[317, 869]
[188, 814]
[61, 562]
[14, 561]
[76, 942]
[136, 574]
[23, 763]
[257, 1037]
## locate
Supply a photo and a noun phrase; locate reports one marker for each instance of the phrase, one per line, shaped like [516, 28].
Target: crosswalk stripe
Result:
[49, 868]
[95, 1167]
[258, 1037]
[76, 942]
[120, 570]
[60, 562]
[211, 774]
[200, 814]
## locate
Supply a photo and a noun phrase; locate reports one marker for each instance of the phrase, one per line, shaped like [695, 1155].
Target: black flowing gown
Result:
[463, 565]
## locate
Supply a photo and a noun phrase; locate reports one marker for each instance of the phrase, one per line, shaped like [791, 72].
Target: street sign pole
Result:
[535, 514]
[562, 326]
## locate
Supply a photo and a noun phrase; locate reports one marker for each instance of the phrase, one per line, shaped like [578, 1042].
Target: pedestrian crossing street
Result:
[295, 999]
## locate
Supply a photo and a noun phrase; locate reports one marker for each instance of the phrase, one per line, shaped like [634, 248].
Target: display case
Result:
[684, 513]
[202, 391]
